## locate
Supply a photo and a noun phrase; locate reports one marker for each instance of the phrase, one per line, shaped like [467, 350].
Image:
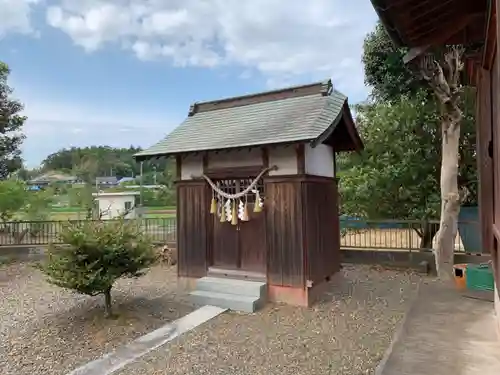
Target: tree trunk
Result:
[450, 201]
[107, 303]
[428, 233]
[444, 78]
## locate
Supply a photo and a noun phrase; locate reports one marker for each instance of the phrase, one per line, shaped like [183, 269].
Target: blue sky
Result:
[122, 72]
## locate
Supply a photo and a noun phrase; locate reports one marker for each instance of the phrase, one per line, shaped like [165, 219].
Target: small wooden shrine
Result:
[257, 190]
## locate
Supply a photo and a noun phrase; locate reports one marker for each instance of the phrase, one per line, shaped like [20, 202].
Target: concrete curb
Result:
[131, 352]
[379, 370]
[22, 253]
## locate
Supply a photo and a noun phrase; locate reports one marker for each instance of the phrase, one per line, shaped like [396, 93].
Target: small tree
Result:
[13, 197]
[96, 254]
[81, 196]
[37, 210]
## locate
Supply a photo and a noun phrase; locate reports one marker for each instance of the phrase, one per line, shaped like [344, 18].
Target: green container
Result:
[479, 277]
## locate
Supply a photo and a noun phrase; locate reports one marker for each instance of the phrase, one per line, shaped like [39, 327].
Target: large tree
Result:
[442, 71]
[395, 177]
[385, 72]
[11, 123]
[398, 174]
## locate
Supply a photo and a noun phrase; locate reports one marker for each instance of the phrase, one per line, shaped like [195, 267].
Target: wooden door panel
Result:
[225, 244]
[252, 242]
[243, 246]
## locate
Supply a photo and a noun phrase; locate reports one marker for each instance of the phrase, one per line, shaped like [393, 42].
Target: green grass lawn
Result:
[152, 215]
[163, 208]
[75, 213]
[66, 209]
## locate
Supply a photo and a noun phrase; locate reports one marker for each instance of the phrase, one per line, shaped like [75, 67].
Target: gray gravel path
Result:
[48, 330]
[347, 333]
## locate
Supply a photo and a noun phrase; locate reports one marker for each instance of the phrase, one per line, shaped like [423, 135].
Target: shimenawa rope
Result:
[241, 193]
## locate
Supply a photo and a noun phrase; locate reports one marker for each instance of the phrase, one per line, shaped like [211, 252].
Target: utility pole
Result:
[140, 193]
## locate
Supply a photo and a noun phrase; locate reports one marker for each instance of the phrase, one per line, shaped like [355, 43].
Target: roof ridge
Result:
[324, 88]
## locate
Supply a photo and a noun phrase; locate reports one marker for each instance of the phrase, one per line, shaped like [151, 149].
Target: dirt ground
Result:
[346, 333]
[46, 330]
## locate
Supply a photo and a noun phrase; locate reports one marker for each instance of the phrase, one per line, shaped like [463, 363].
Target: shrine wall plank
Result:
[284, 232]
[321, 228]
[194, 231]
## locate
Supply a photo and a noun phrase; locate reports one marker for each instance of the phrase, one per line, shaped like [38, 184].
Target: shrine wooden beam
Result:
[490, 45]
[439, 39]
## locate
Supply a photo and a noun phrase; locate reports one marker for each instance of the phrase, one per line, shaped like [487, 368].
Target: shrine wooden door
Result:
[242, 246]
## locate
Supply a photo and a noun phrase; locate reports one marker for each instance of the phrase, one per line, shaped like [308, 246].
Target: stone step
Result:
[236, 274]
[232, 286]
[225, 300]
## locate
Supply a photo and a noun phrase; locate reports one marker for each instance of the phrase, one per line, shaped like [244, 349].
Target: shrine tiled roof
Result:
[300, 113]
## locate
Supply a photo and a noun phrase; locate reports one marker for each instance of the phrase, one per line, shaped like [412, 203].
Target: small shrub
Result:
[167, 255]
[97, 253]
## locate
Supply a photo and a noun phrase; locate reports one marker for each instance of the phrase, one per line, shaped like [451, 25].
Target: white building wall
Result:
[319, 160]
[285, 158]
[114, 206]
[192, 166]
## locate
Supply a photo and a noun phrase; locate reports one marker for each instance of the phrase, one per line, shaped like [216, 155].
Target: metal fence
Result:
[161, 230]
[405, 235]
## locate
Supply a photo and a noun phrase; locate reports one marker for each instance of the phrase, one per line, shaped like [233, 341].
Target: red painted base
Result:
[305, 297]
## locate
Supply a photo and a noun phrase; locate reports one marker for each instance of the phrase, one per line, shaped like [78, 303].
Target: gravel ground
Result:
[48, 330]
[347, 333]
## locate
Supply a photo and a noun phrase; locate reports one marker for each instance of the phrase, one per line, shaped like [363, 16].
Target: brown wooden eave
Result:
[417, 23]
[342, 134]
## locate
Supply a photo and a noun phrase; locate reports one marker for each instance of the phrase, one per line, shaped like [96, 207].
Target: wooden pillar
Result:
[484, 160]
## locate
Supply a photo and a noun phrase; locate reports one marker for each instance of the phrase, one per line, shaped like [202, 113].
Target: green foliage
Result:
[397, 175]
[11, 123]
[25, 174]
[385, 71]
[16, 202]
[467, 173]
[158, 198]
[13, 197]
[88, 163]
[37, 205]
[97, 254]
[81, 196]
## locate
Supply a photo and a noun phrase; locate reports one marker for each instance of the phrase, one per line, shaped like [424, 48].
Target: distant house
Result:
[106, 182]
[116, 204]
[124, 180]
[48, 178]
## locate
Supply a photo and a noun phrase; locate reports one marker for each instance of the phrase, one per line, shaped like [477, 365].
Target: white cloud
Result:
[283, 40]
[15, 16]
[54, 124]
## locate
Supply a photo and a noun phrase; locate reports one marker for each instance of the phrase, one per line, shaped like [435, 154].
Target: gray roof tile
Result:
[300, 118]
